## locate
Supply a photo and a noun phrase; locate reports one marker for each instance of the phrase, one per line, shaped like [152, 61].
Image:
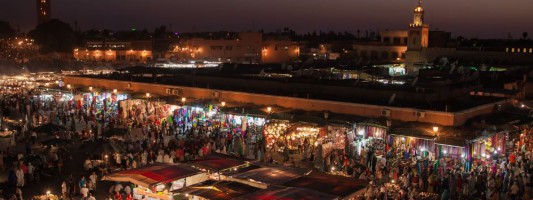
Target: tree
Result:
[6, 30]
[54, 36]
[524, 35]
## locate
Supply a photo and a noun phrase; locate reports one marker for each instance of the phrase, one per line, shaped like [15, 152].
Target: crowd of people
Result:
[184, 137]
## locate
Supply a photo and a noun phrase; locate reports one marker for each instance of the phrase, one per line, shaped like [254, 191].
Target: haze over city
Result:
[472, 18]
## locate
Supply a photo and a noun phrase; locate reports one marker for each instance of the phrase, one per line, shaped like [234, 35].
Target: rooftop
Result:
[449, 97]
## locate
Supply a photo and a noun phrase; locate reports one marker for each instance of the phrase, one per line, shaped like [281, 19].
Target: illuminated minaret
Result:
[418, 31]
[418, 19]
[44, 10]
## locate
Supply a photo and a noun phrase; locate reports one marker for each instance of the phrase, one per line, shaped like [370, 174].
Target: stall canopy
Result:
[217, 162]
[218, 190]
[412, 132]
[49, 128]
[55, 142]
[271, 175]
[287, 193]
[344, 187]
[153, 174]
[101, 146]
[249, 110]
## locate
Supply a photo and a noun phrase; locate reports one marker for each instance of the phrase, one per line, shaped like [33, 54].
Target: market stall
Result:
[214, 164]
[215, 190]
[263, 176]
[274, 133]
[368, 134]
[248, 120]
[412, 142]
[484, 147]
[156, 180]
[341, 186]
[278, 192]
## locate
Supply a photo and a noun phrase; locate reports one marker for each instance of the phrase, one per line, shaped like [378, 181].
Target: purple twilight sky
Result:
[470, 18]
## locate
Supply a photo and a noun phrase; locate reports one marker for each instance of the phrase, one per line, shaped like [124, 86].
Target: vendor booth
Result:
[279, 192]
[265, 175]
[156, 180]
[484, 147]
[214, 164]
[411, 142]
[105, 104]
[215, 190]
[369, 134]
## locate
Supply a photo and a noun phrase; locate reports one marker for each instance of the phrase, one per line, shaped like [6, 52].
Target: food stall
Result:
[155, 181]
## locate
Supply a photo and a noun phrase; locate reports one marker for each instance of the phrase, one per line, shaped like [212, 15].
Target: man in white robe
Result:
[20, 177]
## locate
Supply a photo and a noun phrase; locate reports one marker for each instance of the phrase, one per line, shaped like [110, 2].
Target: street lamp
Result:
[269, 109]
[115, 91]
[435, 129]
[183, 99]
[223, 103]
[147, 95]
[91, 89]
[68, 86]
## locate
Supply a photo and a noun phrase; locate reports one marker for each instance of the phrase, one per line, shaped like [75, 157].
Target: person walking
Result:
[84, 191]
[514, 190]
[64, 189]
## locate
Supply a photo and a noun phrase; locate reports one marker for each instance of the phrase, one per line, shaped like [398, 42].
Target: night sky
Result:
[470, 18]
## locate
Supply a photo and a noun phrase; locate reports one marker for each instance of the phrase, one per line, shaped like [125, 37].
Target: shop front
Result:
[368, 136]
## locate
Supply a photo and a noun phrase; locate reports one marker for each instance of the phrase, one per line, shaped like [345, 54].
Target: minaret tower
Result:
[418, 31]
[44, 11]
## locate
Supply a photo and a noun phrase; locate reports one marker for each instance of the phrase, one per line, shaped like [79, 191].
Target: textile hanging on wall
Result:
[372, 131]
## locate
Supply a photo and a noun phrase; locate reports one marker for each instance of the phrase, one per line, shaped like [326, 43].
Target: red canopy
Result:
[287, 193]
[153, 174]
[215, 162]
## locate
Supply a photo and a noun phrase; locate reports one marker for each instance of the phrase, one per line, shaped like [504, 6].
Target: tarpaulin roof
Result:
[97, 147]
[272, 175]
[412, 132]
[216, 162]
[153, 174]
[457, 142]
[287, 193]
[330, 184]
[49, 128]
[218, 190]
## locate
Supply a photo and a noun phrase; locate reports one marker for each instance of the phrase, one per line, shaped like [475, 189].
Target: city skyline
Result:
[470, 18]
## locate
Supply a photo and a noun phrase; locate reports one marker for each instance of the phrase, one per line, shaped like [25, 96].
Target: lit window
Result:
[518, 50]
[507, 49]
[525, 50]
[512, 50]
[530, 50]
